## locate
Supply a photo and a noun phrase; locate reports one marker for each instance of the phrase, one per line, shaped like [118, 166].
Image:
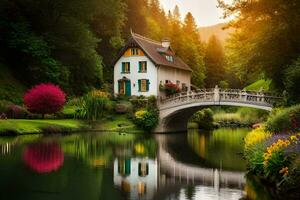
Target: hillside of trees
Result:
[74, 43]
[219, 30]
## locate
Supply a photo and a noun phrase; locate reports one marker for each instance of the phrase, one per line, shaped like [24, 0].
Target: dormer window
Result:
[169, 58]
[134, 51]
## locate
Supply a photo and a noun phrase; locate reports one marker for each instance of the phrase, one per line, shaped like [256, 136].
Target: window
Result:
[169, 58]
[143, 85]
[126, 67]
[134, 51]
[143, 67]
[143, 169]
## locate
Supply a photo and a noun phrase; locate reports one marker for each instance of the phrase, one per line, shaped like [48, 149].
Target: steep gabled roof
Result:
[155, 51]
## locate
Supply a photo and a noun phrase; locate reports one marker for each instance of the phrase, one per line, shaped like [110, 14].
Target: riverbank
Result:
[272, 152]
[44, 126]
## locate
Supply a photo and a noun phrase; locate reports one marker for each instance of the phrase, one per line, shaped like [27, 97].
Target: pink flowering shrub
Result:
[45, 98]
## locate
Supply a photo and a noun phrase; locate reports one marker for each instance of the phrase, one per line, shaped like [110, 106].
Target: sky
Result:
[205, 12]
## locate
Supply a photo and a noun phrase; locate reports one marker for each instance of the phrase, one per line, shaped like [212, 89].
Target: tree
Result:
[292, 81]
[193, 50]
[267, 37]
[44, 99]
[214, 62]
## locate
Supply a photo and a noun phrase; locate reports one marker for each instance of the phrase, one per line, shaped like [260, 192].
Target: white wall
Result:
[173, 74]
[134, 75]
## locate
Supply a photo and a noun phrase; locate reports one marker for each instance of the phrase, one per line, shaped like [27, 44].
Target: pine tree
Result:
[214, 62]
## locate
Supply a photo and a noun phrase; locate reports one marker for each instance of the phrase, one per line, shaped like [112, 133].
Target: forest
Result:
[74, 43]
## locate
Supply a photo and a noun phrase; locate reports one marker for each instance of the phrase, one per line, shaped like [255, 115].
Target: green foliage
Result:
[146, 119]
[223, 84]
[285, 120]
[214, 62]
[276, 162]
[260, 84]
[204, 118]
[92, 107]
[62, 45]
[267, 38]
[292, 81]
[11, 89]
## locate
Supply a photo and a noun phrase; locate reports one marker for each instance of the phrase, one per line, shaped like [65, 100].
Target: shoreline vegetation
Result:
[13, 127]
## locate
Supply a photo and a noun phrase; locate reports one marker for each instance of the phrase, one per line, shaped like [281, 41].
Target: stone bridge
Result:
[176, 110]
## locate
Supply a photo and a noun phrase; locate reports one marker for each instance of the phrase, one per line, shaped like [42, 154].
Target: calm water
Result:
[195, 165]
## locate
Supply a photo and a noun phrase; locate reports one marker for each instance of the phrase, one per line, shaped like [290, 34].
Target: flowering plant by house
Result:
[171, 88]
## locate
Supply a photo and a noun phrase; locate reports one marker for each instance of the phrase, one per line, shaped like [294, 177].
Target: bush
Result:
[256, 136]
[4, 106]
[16, 112]
[144, 102]
[171, 88]
[146, 119]
[285, 120]
[45, 99]
[204, 118]
[93, 105]
[122, 108]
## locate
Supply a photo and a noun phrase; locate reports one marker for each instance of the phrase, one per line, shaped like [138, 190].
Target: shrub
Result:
[204, 118]
[171, 88]
[4, 106]
[16, 112]
[224, 84]
[93, 105]
[146, 119]
[256, 136]
[285, 120]
[122, 108]
[44, 99]
[144, 102]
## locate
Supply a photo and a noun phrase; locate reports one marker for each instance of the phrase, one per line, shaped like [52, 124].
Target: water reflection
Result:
[196, 165]
[137, 177]
[43, 157]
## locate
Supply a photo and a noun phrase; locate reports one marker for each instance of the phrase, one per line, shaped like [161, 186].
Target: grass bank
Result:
[26, 126]
[39, 126]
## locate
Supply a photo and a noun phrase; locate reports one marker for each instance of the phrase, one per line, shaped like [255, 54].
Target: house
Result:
[144, 65]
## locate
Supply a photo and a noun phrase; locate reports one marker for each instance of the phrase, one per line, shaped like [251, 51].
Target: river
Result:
[112, 166]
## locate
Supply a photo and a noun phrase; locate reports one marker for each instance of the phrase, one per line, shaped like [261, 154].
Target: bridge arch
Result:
[175, 111]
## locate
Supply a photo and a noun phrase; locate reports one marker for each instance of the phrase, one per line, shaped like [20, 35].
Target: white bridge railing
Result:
[217, 95]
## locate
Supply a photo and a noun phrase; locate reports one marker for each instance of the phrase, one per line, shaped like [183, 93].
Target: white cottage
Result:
[144, 64]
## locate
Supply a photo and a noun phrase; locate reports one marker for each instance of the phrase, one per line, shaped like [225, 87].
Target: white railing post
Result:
[216, 94]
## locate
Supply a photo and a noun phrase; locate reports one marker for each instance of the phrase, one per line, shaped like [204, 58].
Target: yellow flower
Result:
[140, 114]
[256, 136]
[276, 146]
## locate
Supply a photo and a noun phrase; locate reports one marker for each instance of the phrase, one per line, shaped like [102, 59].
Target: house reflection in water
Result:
[137, 177]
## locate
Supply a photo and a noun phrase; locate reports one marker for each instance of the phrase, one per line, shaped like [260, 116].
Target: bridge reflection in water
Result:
[144, 178]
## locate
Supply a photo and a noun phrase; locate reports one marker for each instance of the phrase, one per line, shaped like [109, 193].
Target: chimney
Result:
[165, 43]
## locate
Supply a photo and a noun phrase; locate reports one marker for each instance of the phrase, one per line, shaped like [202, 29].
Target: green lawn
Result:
[24, 126]
[265, 84]
[116, 123]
